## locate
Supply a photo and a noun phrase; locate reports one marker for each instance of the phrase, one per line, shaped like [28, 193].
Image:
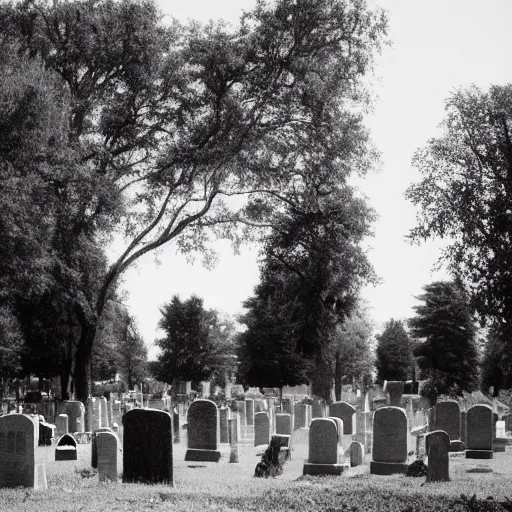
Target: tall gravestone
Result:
[447, 418]
[261, 429]
[147, 446]
[389, 444]
[284, 424]
[233, 439]
[463, 427]
[346, 413]
[107, 445]
[18, 440]
[479, 432]
[302, 416]
[437, 445]
[203, 431]
[104, 411]
[223, 425]
[323, 448]
[394, 391]
[249, 412]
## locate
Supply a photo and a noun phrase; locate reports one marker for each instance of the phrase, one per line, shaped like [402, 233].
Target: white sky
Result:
[438, 46]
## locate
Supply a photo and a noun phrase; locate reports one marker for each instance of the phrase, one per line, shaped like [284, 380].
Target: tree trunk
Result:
[82, 381]
[337, 378]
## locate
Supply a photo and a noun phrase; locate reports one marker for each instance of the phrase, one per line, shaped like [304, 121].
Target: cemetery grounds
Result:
[73, 486]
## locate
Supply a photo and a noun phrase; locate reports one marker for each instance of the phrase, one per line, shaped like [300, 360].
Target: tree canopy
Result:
[447, 353]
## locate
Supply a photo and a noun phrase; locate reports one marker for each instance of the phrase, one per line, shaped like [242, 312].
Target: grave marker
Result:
[479, 426]
[346, 413]
[203, 431]
[437, 444]
[107, 444]
[261, 429]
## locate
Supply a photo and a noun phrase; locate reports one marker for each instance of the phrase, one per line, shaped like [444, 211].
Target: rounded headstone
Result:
[389, 435]
[437, 444]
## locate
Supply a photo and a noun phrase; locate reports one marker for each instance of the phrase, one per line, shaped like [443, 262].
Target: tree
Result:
[353, 356]
[446, 353]
[465, 197]
[188, 350]
[168, 121]
[394, 353]
[495, 362]
[132, 356]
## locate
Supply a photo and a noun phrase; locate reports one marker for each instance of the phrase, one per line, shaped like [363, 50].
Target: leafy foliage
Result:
[447, 353]
[394, 353]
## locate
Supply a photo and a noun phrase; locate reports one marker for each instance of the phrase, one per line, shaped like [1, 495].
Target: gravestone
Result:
[259, 406]
[203, 431]
[76, 415]
[66, 448]
[323, 448]
[223, 425]
[46, 433]
[18, 441]
[463, 427]
[339, 427]
[302, 416]
[286, 405]
[94, 449]
[176, 424]
[395, 391]
[147, 446]
[437, 445]
[479, 426]
[61, 424]
[318, 409]
[233, 439]
[346, 413]
[447, 418]
[283, 424]
[389, 444]
[356, 454]
[261, 429]
[249, 412]
[107, 445]
[104, 411]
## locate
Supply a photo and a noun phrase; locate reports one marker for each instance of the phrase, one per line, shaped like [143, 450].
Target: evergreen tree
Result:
[444, 324]
[394, 353]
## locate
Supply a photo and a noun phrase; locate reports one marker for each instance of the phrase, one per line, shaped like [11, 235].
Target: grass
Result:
[73, 486]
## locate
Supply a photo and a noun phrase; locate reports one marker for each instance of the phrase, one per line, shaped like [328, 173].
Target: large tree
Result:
[168, 120]
[394, 353]
[447, 353]
[465, 197]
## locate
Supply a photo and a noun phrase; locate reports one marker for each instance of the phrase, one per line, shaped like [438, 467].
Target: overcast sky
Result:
[438, 46]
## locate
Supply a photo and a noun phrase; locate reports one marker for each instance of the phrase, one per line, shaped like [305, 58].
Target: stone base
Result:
[387, 468]
[456, 446]
[202, 455]
[478, 454]
[323, 469]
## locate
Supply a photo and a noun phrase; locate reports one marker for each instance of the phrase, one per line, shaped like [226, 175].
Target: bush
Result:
[417, 468]
[272, 461]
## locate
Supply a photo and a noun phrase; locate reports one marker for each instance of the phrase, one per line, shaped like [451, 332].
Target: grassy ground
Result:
[73, 486]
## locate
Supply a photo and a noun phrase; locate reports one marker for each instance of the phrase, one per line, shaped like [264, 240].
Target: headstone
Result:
[286, 405]
[463, 427]
[395, 391]
[61, 424]
[356, 454]
[323, 448]
[447, 418]
[283, 424]
[46, 433]
[76, 415]
[259, 406]
[104, 411]
[318, 409]
[203, 431]
[249, 412]
[389, 444]
[302, 416]
[479, 426]
[94, 449]
[147, 446]
[261, 429]
[107, 445]
[18, 441]
[233, 439]
[223, 425]
[66, 448]
[346, 413]
[437, 445]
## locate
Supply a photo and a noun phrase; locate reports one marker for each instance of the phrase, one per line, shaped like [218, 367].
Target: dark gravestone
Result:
[346, 413]
[46, 433]
[94, 449]
[437, 444]
[479, 426]
[147, 446]
[203, 431]
[66, 448]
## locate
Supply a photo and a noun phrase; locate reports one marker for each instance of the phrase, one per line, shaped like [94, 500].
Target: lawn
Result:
[74, 486]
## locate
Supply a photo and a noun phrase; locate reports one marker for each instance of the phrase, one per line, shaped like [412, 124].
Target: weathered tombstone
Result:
[389, 444]
[104, 411]
[46, 433]
[479, 425]
[66, 448]
[249, 412]
[233, 439]
[107, 445]
[203, 431]
[283, 424]
[61, 424]
[463, 427]
[346, 413]
[356, 454]
[395, 391]
[261, 429]
[94, 449]
[302, 416]
[176, 425]
[18, 441]
[223, 425]
[323, 448]
[147, 446]
[318, 409]
[76, 415]
[437, 445]
[339, 426]
[447, 418]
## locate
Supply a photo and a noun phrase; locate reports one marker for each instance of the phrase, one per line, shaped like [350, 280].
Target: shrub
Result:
[272, 461]
[417, 468]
